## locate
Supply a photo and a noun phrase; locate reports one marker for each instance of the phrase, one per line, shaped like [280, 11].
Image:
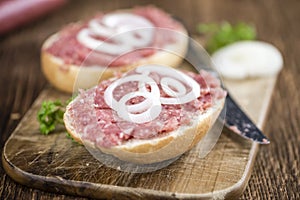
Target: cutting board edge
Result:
[94, 190]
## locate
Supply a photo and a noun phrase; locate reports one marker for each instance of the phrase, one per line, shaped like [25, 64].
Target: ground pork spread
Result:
[98, 123]
[68, 48]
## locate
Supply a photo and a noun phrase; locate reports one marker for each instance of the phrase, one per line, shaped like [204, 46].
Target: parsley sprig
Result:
[50, 115]
[225, 33]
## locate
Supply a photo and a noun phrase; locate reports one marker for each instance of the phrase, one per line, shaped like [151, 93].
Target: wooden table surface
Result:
[276, 171]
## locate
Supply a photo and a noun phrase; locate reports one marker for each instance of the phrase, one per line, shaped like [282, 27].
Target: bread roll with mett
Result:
[67, 54]
[93, 118]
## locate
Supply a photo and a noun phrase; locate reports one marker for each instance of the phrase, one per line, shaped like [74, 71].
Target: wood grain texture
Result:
[54, 163]
[276, 170]
[69, 168]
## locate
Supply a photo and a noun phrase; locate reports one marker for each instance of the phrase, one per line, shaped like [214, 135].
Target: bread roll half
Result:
[160, 148]
[92, 120]
[68, 76]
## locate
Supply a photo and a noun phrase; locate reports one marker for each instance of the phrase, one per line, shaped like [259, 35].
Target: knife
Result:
[236, 120]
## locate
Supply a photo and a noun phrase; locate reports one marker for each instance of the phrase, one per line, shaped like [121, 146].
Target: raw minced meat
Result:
[71, 51]
[98, 123]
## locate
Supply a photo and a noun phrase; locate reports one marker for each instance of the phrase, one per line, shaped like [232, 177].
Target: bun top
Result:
[116, 38]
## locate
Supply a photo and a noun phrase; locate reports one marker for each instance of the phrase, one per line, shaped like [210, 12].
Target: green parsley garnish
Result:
[50, 115]
[223, 34]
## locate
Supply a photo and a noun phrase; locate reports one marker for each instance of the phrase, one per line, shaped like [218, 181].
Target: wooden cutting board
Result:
[54, 163]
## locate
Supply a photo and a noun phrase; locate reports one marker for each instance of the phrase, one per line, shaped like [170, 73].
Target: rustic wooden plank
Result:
[42, 161]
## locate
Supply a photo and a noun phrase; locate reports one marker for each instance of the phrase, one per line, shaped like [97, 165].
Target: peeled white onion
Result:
[173, 83]
[148, 112]
[127, 31]
[84, 37]
[166, 82]
[172, 73]
[248, 59]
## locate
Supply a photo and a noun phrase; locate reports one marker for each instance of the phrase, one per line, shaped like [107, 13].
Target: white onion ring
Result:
[146, 115]
[148, 107]
[110, 48]
[125, 26]
[151, 107]
[170, 72]
[98, 29]
[165, 84]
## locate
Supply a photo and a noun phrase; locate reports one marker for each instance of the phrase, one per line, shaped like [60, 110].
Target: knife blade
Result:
[236, 119]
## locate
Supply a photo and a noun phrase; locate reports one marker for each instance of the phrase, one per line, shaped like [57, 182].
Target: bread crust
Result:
[63, 76]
